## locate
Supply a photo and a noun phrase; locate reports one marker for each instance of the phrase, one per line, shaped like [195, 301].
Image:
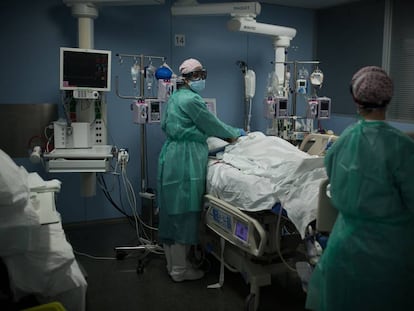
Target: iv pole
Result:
[144, 194]
[247, 99]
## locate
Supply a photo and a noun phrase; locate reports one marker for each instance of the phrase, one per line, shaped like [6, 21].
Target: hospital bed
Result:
[33, 248]
[261, 240]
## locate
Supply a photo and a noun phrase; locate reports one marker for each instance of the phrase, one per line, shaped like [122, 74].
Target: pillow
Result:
[215, 145]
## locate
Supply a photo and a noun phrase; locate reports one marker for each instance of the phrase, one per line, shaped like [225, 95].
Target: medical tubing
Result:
[48, 138]
[106, 193]
[94, 257]
[249, 115]
[232, 269]
[129, 190]
[113, 183]
[133, 203]
[104, 188]
[102, 185]
[131, 198]
[140, 220]
[280, 240]
[65, 110]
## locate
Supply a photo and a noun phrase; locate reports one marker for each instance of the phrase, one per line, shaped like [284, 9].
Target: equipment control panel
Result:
[232, 225]
[146, 111]
[235, 226]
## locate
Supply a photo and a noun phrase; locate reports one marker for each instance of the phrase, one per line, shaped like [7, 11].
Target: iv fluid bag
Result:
[250, 83]
[272, 84]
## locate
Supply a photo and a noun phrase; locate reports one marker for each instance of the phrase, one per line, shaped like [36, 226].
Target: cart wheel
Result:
[250, 302]
[140, 270]
[140, 267]
[120, 255]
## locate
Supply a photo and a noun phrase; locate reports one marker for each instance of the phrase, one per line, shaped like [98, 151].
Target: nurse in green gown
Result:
[182, 168]
[369, 260]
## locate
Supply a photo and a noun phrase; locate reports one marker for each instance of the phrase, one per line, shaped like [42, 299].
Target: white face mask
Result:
[197, 86]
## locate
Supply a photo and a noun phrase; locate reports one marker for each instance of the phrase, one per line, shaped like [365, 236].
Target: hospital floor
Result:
[114, 284]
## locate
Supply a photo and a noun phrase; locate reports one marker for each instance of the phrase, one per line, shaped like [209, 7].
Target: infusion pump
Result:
[276, 107]
[319, 107]
[146, 110]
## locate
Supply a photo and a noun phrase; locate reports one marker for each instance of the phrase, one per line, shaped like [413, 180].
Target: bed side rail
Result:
[327, 214]
[235, 226]
[317, 144]
[411, 134]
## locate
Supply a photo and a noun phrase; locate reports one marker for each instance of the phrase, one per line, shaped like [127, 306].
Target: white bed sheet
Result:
[259, 171]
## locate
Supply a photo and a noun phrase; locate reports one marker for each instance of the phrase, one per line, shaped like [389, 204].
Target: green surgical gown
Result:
[182, 165]
[369, 260]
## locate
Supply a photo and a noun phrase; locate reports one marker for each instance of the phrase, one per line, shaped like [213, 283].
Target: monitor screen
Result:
[324, 108]
[85, 69]
[325, 105]
[241, 231]
[283, 104]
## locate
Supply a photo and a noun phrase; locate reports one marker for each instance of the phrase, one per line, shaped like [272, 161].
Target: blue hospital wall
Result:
[29, 62]
[349, 37]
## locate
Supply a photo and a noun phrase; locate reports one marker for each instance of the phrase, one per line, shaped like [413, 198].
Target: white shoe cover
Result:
[167, 252]
[181, 269]
[180, 274]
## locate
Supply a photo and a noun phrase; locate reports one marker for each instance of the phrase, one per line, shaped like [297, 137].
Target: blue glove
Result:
[242, 132]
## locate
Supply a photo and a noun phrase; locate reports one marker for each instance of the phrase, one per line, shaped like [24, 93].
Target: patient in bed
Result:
[259, 171]
[38, 258]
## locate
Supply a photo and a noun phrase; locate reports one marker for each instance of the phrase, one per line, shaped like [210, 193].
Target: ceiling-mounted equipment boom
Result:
[244, 19]
[232, 8]
[248, 24]
[243, 16]
[114, 2]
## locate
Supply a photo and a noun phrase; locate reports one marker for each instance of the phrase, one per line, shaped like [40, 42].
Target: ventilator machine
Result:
[80, 139]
